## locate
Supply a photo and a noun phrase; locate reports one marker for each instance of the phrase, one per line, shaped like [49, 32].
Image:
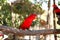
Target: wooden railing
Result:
[20, 32]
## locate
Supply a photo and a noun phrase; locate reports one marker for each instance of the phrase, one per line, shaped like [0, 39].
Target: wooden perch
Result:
[18, 32]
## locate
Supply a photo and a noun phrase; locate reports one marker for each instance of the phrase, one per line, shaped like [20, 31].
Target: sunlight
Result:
[10, 1]
[32, 1]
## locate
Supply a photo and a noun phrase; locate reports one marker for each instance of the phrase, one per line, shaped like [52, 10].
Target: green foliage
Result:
[2, 2]
[34, 23]
[6, 13]
[27, 7]
[23, 9]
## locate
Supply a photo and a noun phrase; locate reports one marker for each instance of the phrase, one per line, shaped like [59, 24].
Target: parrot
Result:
[57, 11]
[27, 22]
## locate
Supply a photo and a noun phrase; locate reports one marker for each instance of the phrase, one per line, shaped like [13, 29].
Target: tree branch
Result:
[6, 29]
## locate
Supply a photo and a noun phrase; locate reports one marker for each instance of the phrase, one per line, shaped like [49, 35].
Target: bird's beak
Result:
[35, 19]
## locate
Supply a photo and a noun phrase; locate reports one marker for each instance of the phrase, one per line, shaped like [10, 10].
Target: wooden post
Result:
[48, 18]
[54, 22]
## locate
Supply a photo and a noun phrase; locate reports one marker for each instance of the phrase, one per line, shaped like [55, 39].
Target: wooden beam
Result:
[6, 29]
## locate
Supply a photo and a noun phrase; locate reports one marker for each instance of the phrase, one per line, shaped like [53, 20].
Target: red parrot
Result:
[57, 11]
[27, 22]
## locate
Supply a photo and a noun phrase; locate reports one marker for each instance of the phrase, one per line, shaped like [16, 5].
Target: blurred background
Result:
[13, 13]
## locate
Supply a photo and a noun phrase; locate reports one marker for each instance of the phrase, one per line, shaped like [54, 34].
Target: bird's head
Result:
[34, 16]
[55, 6]
[35, 19]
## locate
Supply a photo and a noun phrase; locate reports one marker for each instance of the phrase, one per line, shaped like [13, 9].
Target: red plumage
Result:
[27, 22]
[57, 11]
